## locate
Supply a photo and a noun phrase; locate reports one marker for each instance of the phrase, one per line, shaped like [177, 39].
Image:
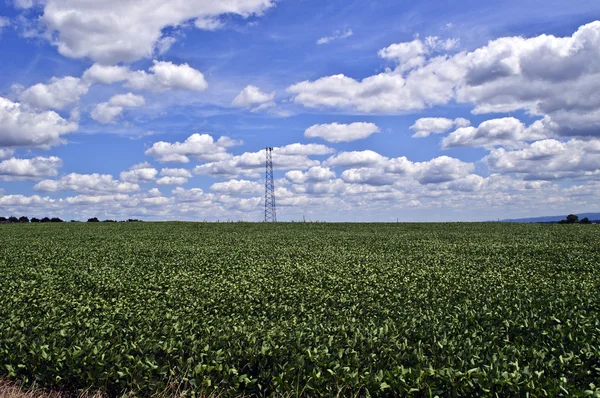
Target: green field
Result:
[302, 309]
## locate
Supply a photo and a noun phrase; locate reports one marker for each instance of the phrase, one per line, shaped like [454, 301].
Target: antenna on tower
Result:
[270, 211]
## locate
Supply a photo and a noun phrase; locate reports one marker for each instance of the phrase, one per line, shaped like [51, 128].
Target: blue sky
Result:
[379, 110]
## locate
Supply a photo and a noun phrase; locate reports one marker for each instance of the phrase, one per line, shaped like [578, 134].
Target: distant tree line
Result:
[574, 219]
[26, 220]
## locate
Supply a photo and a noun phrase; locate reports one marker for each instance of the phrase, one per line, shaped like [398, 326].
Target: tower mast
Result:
[270, 210]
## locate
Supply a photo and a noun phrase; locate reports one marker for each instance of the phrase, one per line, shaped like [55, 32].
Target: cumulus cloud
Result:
[167, 76]
[60, 93]
[368, 167]
[251, 96]
[86, 183]
[6, 153]
[355, 159]
[545, 75]
[115, 31]
[168, 172]
[142, 172]
[436, 125]
[337, 35]
[107, 112]
[21, 127]
[293, 156]
[105, 74]
[238, 187]
[199, 146]
[29, 169]
[174, 176]
[507, 132]
[171, 181]
[549, 160]
[337, 133]
[314, 174]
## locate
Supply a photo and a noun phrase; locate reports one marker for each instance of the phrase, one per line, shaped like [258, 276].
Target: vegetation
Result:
[574, 219]
[321, 309]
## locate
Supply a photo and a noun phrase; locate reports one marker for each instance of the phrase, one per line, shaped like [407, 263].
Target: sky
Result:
[377, 110]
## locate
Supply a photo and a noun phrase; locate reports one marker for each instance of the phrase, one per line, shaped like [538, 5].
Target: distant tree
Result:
[95, 219]
[35, 219]
[13, 219]
[3, 219]
[56, 219]
[24, 219]
[585, 221]
[45, 219]
[572, 219]
[109, 221]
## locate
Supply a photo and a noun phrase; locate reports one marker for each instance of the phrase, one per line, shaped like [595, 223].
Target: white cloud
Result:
[409, 54]
[238, 187]
[107, 112]
[337, 35]
[549, 160]
[106, 74]
[293, 156]
[86, 183]
[336, 132]
[29, 169]
[368, 167]
[507, 132]
[4, 22]
[208, 23]
[6, 153]
[20, 127]
[60, 93]
[314, 174]
[355, 159]
[168, 172]
[167, 76]
[142, 172]
[252, 95]
[164, 44]
[302, 150]
[545, 75]
[436, 125]
[115, 30]
[171, 181]
[199, 146]
[437, 44]
[369, 176]
[442, 169]
[21, 200]
[174, 176]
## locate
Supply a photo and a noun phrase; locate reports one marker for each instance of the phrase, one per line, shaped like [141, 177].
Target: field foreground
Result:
[302, 309]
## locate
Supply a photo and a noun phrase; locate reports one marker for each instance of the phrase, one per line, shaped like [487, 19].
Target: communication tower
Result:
[270, 210]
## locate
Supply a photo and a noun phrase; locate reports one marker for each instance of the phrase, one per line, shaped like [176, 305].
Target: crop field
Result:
[302, 309]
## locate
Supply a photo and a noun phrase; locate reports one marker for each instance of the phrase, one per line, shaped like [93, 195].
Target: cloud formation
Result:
[336, 132]
[198, 146]
[337, 35]
[252, 96]
[426, 126]
[22, 127]
[107, 112]
[547, 76]
[124, 31]
[14, 169]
